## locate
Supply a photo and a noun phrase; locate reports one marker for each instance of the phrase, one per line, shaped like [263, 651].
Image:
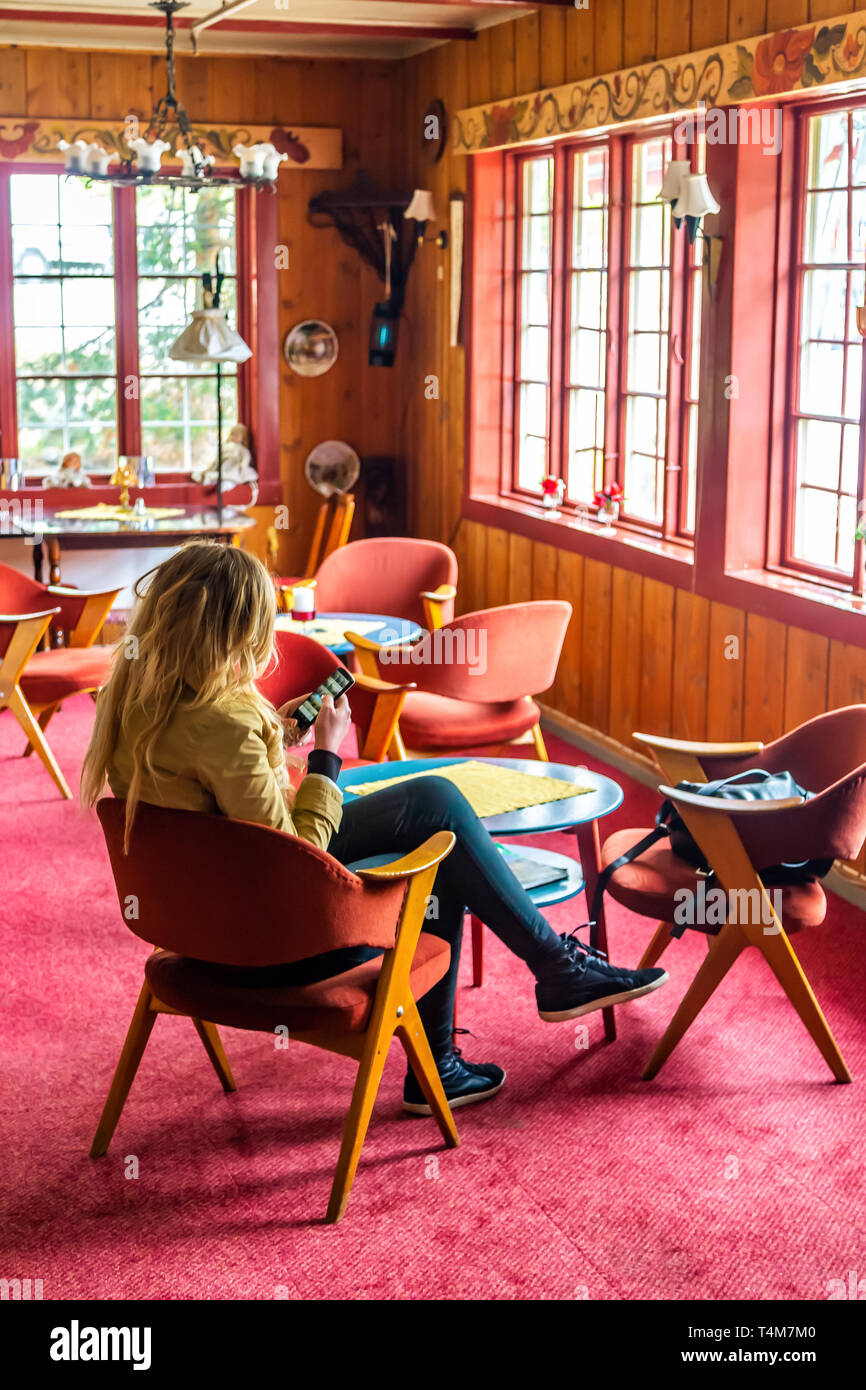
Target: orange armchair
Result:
[397, 575]
[33, 684]
[475, 678]
[827, 756]
[197, 879]
[303, 664]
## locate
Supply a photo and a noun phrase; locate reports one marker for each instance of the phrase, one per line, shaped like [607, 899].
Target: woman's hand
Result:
[292, 735]
[333, 723]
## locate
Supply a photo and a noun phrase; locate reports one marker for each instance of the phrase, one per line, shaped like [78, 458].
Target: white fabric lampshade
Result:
[421, 208]
[695, 198]
[209, 338]
[677, 170]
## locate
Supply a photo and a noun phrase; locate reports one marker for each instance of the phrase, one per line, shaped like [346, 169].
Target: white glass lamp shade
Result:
[209, 338]
[421, 207]
[676, 172]
[695, 199]
[75, 155]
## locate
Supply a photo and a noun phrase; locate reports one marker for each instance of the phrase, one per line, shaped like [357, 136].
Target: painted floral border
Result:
[311, 147]
[789, 60]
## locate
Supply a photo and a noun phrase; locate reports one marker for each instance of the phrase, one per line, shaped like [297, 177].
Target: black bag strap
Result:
[662, 828]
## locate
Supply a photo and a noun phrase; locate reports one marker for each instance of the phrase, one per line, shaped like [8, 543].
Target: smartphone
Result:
[337, 684]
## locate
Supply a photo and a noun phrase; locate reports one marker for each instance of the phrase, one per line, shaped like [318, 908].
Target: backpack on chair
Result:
[755, 784]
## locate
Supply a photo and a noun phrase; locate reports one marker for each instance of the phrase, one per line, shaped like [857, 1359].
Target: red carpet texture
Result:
[736, 1174]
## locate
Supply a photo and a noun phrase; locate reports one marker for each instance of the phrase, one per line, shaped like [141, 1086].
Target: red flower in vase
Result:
[607, 496]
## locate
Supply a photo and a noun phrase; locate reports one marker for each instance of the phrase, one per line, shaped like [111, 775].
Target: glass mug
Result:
[11, 474]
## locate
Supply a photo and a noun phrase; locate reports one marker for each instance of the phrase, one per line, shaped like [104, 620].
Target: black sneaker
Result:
[590, 982]
[464, 1083]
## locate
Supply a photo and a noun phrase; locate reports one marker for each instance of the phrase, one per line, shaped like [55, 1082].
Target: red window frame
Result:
[781, 555]
[683, 279]
[258, 379]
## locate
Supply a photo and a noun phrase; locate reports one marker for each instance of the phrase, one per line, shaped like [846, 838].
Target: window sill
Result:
[179, 491]
[799, 602]
[667, 561]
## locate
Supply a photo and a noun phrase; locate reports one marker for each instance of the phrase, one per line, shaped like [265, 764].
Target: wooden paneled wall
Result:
[325, 279]
[639, 653]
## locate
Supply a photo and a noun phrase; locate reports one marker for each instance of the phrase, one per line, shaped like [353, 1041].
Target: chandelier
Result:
[259, 164]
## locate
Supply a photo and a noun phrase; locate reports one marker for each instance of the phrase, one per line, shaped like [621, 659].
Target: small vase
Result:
[609, 514]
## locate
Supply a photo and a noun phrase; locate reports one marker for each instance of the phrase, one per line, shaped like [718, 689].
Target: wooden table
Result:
[56, 534]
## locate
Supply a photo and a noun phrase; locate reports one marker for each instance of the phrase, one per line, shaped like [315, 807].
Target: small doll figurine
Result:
[237, 465]
[69, 474]
[552, 493]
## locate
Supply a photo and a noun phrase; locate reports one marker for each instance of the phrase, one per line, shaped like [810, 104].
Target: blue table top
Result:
[606, 795]
[391, 632]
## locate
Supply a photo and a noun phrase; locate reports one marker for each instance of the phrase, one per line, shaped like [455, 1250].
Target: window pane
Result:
[535, 307]
[531, 462]
[538, 185]
[824, 294]
[821, 378]
[64, 319]
[828, 150]
[817, 520]
[826, 238]
[534, 352]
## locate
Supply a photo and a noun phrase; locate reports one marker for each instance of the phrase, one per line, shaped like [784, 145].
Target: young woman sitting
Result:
[181, 724]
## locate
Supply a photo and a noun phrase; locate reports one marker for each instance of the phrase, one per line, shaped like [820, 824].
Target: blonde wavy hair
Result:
[202, 630]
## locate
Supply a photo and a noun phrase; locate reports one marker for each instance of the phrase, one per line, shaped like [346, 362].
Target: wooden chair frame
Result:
[709, 821]
[29, 630]
[394, 1011]
[434, 601]
[331, 532]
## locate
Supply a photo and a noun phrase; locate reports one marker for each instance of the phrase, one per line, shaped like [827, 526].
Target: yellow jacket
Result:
[224, 758]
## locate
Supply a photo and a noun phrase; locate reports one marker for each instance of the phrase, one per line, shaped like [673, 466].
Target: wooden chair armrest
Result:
[699, 750]
[28, 632]
[96, 607]
[380, 687]
[426, 856]
[23, 617]
[729, 805]
[434, 601]
[362, 644]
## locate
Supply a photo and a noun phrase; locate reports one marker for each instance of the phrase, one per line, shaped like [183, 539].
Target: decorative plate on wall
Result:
[332, 467]
[311, 348]
[434, 131]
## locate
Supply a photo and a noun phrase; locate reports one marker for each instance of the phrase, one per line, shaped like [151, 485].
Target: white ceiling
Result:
[332, 28]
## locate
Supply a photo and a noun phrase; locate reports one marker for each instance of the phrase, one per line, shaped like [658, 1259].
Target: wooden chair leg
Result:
[725, 948]
[136, 1041]
[540, 748]
[364, 1095]
[779, 954]
[477, 951]
[215, 1050]
[411, 1034]
[659, 944]
[43, 722]
[24, 715]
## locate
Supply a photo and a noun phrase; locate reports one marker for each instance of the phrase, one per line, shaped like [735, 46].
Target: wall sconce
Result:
[422, 211]
[689, 194]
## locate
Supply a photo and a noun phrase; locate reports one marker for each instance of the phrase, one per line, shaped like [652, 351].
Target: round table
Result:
[579, 813]
[388, 632]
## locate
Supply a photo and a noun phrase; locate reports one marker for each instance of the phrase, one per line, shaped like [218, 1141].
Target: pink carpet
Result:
[736, 1174]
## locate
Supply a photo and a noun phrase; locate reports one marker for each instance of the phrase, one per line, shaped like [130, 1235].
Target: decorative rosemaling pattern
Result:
[306, 147]
[791, 60]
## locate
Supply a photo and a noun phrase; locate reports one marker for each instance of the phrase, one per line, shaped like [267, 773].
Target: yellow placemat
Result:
[327, 630]
[105, 511]
[490, 790]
